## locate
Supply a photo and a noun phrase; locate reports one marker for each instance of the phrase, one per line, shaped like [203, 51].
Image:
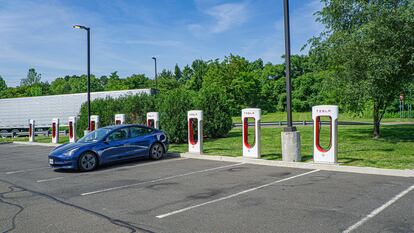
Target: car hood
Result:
[69, 146]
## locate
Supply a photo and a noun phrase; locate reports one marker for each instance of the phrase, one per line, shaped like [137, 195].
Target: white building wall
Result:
[15, 112]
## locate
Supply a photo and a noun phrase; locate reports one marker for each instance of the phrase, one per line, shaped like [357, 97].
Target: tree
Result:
[32, 78]
[173, 106]
[217, 121]
[199, 68]
[60, 86]
[3, 87]
[166, 81]
[186, 74]
[137, 81]
[115, 83]
[177, 73]
[369, 45]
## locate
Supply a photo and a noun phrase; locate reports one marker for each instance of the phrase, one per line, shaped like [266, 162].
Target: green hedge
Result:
[216, 111]
[173, 107]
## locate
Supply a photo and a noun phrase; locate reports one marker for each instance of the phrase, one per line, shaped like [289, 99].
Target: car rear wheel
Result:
[156, 151]
[88, 162]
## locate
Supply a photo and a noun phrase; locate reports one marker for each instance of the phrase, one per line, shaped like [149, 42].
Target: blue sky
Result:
[125, 34]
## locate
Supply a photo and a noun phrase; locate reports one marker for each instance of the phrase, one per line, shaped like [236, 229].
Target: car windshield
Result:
[95, 135]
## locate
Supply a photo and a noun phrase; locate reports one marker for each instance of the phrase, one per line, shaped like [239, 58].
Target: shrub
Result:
[216, 110]
[136, 107]
[173, 107]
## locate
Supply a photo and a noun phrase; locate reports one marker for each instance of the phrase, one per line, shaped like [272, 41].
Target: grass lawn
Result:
[307, 116]
[356, 146]
[43, 139]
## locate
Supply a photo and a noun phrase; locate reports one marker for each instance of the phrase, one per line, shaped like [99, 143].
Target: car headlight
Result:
[71, 152]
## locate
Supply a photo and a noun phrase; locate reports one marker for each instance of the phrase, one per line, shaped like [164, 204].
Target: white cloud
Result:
[221, 17]
[227, 16]
[195, 29]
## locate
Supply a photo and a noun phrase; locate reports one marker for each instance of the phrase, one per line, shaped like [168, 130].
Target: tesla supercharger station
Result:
[329, 154]
[153, 120]
[31, 130]
[251, 151]
[55, 130]
[119, 119]
[195, 145]
[72, 129]
[94, 122]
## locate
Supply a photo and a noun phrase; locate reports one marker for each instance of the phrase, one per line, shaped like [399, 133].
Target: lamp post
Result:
[88, 30]
[289, 127]
[156, 75]
[290, 137]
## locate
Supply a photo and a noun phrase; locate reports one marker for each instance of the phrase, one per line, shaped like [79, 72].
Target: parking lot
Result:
[191, 195]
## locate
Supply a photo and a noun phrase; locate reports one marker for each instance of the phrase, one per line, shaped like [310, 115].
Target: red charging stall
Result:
[55, 130]
[31, 130]
[153, 120]
[251, 150]
[119, 119]
[94, 123]
[329, 153]
[72, 129]
[195, 131]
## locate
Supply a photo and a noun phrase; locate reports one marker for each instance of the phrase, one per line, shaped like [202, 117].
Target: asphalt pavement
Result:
[193, 195]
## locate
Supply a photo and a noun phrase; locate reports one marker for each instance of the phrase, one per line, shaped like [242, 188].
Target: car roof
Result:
[113, 127]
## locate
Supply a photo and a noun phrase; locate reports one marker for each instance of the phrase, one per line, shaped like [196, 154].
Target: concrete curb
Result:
[306, 165]
[36, 144]
[5, 143]
[277, 163]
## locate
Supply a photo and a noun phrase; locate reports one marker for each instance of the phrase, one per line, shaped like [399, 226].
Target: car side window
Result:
[139, 131]
[119, 134]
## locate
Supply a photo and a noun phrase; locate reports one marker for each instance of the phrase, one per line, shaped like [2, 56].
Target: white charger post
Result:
[195, 145]
[72, 129]
[119, 119]
[153, 120]
[251, 151]
[55, 130]
[329, 154]
[31, 130]
[94, 123]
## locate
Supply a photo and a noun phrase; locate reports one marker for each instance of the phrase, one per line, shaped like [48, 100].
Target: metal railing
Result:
[303, 123]
[45, 133]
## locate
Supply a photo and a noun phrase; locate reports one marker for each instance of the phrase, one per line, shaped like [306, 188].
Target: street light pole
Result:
[88, 30]
[289, 127]
[89, 78]
[156, 74]
[290, 137]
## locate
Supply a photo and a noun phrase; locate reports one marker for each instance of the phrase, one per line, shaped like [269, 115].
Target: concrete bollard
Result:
[291, 146]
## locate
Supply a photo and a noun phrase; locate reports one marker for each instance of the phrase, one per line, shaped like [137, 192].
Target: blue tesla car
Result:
[110, 144]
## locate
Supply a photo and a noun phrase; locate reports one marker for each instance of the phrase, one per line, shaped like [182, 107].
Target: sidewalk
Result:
[306, 165]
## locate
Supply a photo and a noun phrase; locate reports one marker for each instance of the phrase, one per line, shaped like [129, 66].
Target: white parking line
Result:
[379, 210]
[160, 179]
[140, 165]
[51, 179]
[234, 195]
[27, 170]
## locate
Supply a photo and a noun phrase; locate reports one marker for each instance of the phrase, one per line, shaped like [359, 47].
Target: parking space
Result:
[191, 195]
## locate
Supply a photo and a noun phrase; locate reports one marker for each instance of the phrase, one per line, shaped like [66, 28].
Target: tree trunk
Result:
[377, 119]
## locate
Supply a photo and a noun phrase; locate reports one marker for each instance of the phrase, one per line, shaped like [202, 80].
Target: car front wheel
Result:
[156, 151]
[88, 162]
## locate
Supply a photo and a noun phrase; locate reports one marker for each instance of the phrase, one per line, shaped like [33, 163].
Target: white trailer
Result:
[15, 112]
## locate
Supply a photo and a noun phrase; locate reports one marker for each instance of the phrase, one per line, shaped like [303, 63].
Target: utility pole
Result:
[290, 137]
